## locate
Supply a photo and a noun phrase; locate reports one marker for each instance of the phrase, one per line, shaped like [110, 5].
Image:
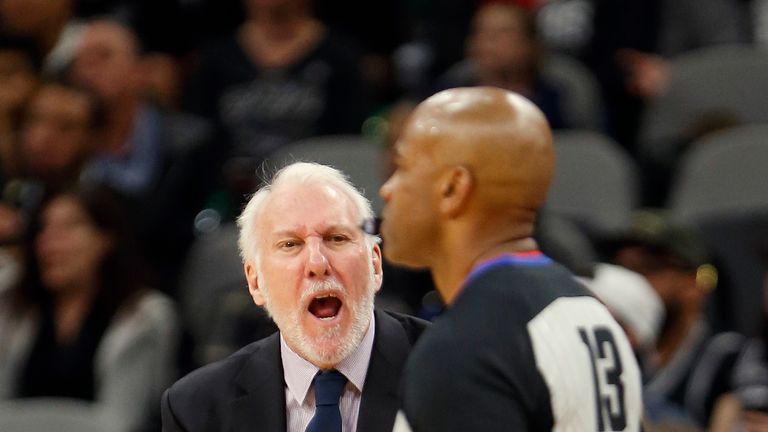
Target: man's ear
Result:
[253, 283]
[455, 187]
[378, 274]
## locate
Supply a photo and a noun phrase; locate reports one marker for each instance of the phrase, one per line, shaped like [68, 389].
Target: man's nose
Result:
[317, 262]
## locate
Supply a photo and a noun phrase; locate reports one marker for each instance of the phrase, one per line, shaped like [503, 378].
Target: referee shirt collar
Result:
[299, 373]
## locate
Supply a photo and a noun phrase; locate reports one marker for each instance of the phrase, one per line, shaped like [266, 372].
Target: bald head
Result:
[500, 137]
[473, 166]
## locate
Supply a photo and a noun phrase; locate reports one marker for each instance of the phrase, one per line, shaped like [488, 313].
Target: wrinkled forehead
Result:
[309, 206]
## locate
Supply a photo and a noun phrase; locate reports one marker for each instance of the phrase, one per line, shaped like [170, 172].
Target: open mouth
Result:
[325, 307]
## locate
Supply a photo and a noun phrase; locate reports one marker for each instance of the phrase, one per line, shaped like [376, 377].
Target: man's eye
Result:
[288, 244]
[338, 238]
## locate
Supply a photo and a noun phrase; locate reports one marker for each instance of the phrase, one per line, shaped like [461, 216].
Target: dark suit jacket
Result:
[246, 391]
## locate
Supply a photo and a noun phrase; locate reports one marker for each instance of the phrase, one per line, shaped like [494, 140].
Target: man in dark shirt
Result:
[522, 346]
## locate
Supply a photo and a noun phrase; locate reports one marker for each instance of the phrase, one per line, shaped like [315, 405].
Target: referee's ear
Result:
[455, 187]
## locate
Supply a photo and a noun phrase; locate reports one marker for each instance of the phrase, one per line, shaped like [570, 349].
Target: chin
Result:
[328, 326]
[328, 347]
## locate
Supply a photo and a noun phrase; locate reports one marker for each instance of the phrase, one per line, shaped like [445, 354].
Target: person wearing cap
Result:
[689, 366]
[335, 364]
[670, 257]
[632, 301]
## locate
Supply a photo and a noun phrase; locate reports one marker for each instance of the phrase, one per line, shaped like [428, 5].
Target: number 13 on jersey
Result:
[588, 366]
[607, 375]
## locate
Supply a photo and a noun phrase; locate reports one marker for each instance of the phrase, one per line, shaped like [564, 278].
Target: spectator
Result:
[691, 363]
[280, 77]
[503, 50]
[632, 301]
[130, 154]
[50, 23]
[54, 141]
[83, 324]
[58, 134]
[18, 77]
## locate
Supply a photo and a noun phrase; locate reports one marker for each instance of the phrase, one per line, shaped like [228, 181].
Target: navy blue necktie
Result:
[329, 386]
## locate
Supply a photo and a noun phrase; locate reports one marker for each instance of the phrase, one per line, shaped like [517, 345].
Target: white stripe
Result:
[564, 361]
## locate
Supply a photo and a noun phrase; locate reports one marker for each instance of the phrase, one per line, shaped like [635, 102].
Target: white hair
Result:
[297, 173]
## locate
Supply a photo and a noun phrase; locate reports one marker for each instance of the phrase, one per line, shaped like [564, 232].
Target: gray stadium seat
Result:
[722, 190]
[582, 103]
[214, 298]
[721, 84]
[595, 182]
[361, 158]
[722, 174]
[54, 414]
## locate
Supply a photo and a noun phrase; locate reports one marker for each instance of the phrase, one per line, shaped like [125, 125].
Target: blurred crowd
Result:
[131, 132]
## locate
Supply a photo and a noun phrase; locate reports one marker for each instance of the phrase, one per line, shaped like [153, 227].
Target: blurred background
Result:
[132, 132]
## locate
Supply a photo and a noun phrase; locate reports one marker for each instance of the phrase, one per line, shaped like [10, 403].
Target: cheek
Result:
[356, 275]
[88, 250]
[281, 300]
[281, 274]
[282, 281]
[63, 154]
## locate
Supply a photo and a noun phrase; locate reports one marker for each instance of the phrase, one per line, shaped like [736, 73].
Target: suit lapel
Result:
[262, 406]
[381, 391]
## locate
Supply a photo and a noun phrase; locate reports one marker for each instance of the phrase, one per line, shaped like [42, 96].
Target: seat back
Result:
[595, 182]
[710, 86]
[582, 103]
[722, 190]
[54, 414]
[721, 174]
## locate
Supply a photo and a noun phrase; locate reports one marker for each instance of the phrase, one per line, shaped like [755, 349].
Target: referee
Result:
[522, 346]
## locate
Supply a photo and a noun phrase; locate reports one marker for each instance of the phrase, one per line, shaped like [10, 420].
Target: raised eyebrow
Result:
[336, 229]
[286, 233]
[277, 238]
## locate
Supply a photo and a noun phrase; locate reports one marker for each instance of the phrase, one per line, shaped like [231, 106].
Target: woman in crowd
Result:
[82, 324]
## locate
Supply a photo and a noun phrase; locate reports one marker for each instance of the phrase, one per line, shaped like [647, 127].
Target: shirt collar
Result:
[299, 373]
[532, 258]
